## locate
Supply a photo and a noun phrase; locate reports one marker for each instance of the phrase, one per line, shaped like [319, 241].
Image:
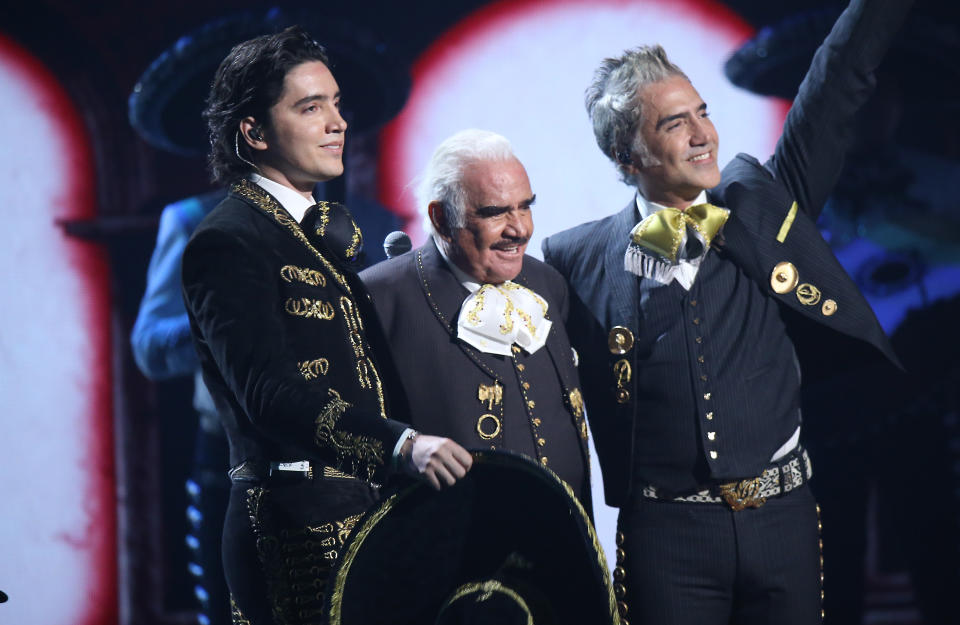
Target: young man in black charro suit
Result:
[484, 390]
[287, 340]
[693, 309]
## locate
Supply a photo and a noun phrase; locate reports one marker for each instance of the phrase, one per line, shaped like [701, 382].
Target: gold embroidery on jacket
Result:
[292, 273]
[313, 369]
[355, 242]
[324, 209]
[366, 370]
[309, 308]
[356, 454]
[268, 205]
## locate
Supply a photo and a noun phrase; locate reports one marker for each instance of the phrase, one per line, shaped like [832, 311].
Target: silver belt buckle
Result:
[301, 466]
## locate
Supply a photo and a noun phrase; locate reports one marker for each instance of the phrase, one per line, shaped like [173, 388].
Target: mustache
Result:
[510, 242]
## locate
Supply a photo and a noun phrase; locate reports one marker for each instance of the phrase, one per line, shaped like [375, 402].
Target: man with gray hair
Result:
[695, 310]
[469, 316]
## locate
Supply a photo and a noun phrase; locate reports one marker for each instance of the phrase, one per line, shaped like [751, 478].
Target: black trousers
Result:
[280, 540]
[704, 564]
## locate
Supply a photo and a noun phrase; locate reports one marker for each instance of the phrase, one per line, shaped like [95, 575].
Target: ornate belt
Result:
[777, 480]
[250, 471]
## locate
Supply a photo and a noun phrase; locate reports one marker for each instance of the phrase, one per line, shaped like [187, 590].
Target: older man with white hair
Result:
[469, 316]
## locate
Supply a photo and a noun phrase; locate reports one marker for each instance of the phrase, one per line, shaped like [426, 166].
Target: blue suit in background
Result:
[163, 349]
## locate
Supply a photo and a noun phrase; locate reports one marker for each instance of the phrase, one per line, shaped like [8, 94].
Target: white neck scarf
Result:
[494, 317]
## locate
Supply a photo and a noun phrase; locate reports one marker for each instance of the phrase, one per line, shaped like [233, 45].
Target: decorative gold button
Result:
[709, 416]
[526, 386]
[693, 302]
[619, 590]
[623, 371]
[488, 430]
[829, 307]
[531, 404]
[711, 436]
[699, 339]
[707, 396]
[620, 340]
[520, 367]
[621, 555]
[696, 321]
[543, 461]
[784, 277]
[536, 421]
[703, 378]
[622, 607]
[541, 442]
[620, 538]
[623, 395]
[516, 350]
[699, 358]
[713, 454]
[808, 294]
[619, 574]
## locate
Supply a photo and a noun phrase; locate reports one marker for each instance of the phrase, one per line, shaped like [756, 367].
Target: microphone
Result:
[396, 243]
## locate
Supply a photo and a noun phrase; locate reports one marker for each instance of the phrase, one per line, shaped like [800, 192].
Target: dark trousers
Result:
[280, 540]
[704, 564]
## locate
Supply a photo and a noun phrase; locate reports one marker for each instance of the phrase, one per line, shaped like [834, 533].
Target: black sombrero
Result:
[509, 543]
[166, 103]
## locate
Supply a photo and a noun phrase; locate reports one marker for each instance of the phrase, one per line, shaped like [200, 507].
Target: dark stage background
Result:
[94, 526]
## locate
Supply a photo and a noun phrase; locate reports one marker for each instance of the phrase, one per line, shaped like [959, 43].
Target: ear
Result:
[629, 161]
[438, 218]
[252, 133]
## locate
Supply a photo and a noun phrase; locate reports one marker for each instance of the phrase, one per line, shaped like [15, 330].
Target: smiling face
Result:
[681, 144]
[303, 142]
[498, 221]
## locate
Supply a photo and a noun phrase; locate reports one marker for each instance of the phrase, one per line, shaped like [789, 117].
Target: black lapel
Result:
[268, 206]
[624, 286]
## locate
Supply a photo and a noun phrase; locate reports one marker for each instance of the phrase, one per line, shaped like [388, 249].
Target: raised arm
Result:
[819, 127]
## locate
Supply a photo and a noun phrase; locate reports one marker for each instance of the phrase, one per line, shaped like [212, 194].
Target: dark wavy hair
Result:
[248, 83]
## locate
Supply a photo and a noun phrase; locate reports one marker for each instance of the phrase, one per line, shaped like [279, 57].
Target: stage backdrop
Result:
[57, 514]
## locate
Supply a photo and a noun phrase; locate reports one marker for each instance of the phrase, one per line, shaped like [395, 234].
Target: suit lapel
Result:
[624, 286]
[441, 288]
[266, 205]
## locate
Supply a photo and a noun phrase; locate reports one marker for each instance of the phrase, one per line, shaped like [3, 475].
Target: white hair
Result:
[441, 181]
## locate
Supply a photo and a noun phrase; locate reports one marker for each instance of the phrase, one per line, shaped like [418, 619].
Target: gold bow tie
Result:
[662, 233]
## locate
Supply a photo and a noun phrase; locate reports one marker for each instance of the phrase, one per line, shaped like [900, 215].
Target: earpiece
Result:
[255, 134]
[624, 157]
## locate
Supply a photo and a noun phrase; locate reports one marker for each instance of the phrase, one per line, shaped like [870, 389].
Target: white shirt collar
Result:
[647, 208]
[292, 201]
[462, 276]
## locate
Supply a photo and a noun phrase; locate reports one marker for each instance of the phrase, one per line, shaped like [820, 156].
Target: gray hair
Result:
[441, 182]
[613, 102]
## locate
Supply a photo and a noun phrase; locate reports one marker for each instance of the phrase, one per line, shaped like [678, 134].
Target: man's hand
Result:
[438, 460]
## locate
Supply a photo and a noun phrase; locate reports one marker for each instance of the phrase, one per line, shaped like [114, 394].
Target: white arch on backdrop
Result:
[57, 509]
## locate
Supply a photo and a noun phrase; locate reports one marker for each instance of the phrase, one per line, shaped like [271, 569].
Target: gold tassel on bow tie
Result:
[656, 241]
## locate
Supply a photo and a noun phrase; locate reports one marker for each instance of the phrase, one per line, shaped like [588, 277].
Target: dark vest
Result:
[717, 382]
[535, 421]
